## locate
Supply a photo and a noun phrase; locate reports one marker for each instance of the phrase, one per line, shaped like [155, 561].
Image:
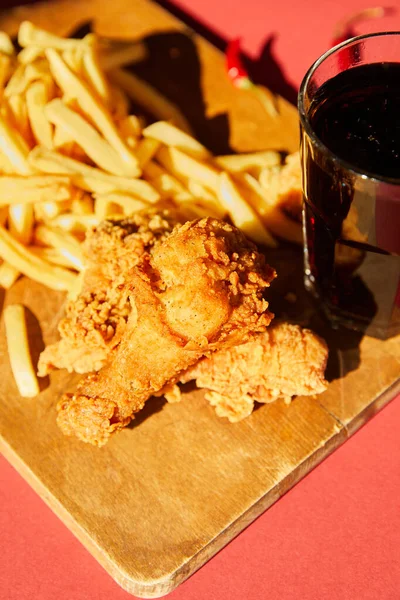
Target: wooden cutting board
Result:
[169, 492]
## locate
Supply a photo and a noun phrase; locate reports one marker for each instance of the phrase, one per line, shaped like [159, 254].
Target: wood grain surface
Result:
[171, 490]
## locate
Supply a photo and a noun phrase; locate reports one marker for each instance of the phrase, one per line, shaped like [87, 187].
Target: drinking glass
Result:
[349, 105]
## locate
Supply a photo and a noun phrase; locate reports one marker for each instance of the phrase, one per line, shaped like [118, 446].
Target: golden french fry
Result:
[5, 70]
[18, 351]
[32, 266]
[75, 224]
[8, 275]
[128, 203]
[52, 255]
[170, 187]
[153, 170]
[85, 136]
[72, 86]
[65, 243]
[93, 71]
[119, 104]
[241, 213]
[37, 97]
[73, 59]
[14, 147]
[170, 135]
[30, 35]
[182, 165]
[274, 218]
[6, 45]
[18, 108]
[206, 199]
[45, 211]
[253, 161]
[82, 204]
[146, 95]
[34, 188]
[26, 74]
[90, 178]
[76, 289]
[30, 54]
[130, 129]
[104, 208]
[121, 54]
[16, 83]
[145, 150]
[20, 222]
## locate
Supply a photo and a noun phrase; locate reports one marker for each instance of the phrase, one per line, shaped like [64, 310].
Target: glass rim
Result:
[306, 122]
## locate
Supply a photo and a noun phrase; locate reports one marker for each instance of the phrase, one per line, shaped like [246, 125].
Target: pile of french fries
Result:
[71, 154]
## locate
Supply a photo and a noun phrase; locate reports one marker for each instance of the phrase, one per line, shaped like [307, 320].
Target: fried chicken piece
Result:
[200, 290]
[282, 362]
[96, 320]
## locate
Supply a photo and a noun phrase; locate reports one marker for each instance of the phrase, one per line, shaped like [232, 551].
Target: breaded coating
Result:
[95, 321]
[282, 362]
[200, 290]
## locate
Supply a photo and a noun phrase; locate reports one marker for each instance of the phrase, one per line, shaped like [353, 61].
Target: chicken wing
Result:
[200, 290]
[96, 320]
[282, 362]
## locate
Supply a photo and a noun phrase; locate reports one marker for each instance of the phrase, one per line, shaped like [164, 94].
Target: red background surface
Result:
[336, 534]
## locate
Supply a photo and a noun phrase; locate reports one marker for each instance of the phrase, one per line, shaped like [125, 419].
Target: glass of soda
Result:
[349, 104]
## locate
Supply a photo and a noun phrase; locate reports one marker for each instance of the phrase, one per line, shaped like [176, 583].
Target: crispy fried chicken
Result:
[282, 362]
[199, 291]
[96, 320]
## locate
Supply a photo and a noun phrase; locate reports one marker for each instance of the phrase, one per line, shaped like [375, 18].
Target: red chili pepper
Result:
[344, 29]
[240, 78]
[236, 71]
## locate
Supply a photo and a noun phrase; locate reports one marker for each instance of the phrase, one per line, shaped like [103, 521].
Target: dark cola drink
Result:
[351, 213]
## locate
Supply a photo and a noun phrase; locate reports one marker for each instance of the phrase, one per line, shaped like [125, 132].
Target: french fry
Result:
[8, 275]
[30, 54]
[170, 135]
[51, 255]
[30, 35]
[46, 211]
[5, 70]
[128, 203]
[6, 45]
[85, 136]
[76, 289]
[19, 112]
[119, 104]
[274, 218]
[18, 351]
[64, 242]
[253, 161]
[93, 71]
[73, 59]
[16, 83]
[104, 208]
[37, 96]
[34, 188]
[121, 54]
[144, 94]
[20, 222]
[32, 266]
[180, 164]
[145, 150]
[82, 204]
[89, 178]
[14, 147]
[92, 108]
[130, 129]
[75, 224]
[241, 213]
